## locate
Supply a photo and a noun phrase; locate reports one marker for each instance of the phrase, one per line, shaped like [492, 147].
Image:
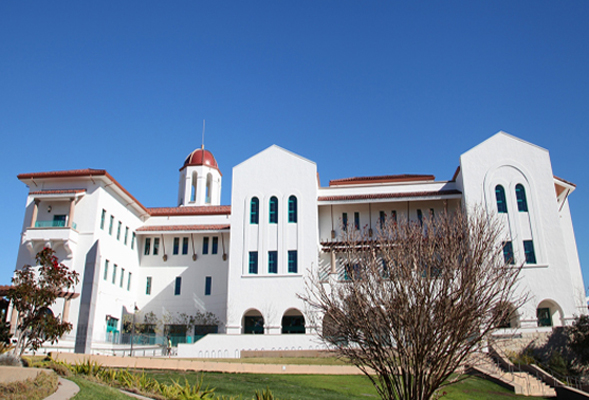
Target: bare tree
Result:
[415, 299]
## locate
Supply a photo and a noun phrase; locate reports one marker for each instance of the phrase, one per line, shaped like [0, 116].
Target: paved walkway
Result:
[209, 366]
[65, 391]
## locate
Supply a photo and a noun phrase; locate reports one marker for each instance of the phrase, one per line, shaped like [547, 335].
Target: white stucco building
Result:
[245, 263]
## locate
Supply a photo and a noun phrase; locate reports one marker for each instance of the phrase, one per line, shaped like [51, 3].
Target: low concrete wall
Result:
[211, 366]
[18, 374]
[287, 353]
[231, 346]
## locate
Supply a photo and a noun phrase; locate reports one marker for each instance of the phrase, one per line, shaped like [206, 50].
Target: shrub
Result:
[10, 360]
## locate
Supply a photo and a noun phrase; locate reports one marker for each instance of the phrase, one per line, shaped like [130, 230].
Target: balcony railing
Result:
[52, 224]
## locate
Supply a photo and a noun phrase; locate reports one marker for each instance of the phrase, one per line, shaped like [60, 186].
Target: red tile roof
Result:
[381, 179]
[388, 195]
[78, 173]
[65, 191]
[165, 228]
[190, 210]
[565, 181]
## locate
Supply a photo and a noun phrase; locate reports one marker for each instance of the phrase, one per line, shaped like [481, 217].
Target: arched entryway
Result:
[549, 313]
[293, 321]
[253, 322]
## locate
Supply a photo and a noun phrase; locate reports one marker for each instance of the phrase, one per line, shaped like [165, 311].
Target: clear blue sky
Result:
[361, 88]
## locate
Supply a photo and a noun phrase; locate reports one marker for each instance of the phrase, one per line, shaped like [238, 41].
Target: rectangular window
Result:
[147, 246]
[432, 213]
[178, 286]
[292, 262]
[420, 217]
[215, 248]
[129, 282]
[394, 216]
[114, 273]
[185, 245]
[133, 237]
[382, 216]
[110, 226]
[272, 262]
[253, 262]
[148, 286]
[106, 270]
[176, 246]
[529, 250]
[357, 220]
[205, 245]
[508, 253]
[208, 284]
[119, 231]
[122, 277]
[102, 218]
[345, 220]
[126, 235]
[156, 246]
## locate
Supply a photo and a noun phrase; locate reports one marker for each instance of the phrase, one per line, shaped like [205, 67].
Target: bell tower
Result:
[200, 180]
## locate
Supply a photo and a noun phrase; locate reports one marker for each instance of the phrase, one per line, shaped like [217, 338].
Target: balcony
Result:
[54, 234]
[53, 224]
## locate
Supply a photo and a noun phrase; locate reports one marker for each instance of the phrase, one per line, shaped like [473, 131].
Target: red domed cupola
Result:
[201, 157]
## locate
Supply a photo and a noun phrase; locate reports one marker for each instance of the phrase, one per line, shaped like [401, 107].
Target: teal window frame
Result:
[292, 209]
[129, 275]
[176, 247]
[156, 246]
[114, 273]
[111, 224]
[529, 252]
[122, 277]
[272, 262]
[102, 219]
[148, 286]
[106, 262]
[292, 262]
[253, 263]
[501, 199]
[126, 235]
[133, 238]
[254, 211]
[147, 248]
[520, 195]
[508, 253]
[273, 211]
[184, 245]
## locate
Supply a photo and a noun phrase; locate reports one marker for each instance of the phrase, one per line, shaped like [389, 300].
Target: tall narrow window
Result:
[432, 213]
[193, 187]
[253, 262]
[500, 196]
[420, 217]
[292, 209]
[520, 194]
[148, 286]
[215, 248]
[114, 273]
[185, 245]
[273, 210]
[119, 231]
[110, 226]
[156, 246]
[272, 262]
[205, 245]
[106, 270]
[508, 253]
[178, 286]
[254, 210]
[345, 221]
[126, 235]
[292, 262]
[176, 246]
[209, 189]
[133, 237]
[208, 284]
[122, 277]
[394, 216]
[147, 249]
[102, 218]
[529, 250]
[357, 220]
[129, 281]
[382, 216]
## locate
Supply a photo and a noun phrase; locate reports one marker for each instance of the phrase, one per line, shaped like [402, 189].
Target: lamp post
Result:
[135, 309]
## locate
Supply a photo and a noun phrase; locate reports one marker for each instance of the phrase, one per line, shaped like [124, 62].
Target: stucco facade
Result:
[246, 263]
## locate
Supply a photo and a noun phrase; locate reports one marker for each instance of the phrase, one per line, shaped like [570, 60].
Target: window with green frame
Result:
[292, 262]
[272, 262]
[501, 200]
[253, 262]
[292, 209]
[529, 250]
[254, 211]
[273, 210]
[102, 218]
[520, 195]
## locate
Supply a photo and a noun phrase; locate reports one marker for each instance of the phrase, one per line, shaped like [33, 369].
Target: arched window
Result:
[273, 210]
[209, 189]
[520, 194]
[292, 209]
[500, 195]
[254, 210]
[193, 187]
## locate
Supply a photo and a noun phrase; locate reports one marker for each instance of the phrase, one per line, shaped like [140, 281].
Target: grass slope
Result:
[94, 391]
[322, 387]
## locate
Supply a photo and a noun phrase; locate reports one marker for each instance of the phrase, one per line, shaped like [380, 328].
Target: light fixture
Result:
[49, 208]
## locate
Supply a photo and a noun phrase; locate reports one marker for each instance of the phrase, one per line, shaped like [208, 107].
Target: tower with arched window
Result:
[200, 180]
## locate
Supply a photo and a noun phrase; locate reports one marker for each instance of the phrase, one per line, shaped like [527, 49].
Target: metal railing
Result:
[53, 224]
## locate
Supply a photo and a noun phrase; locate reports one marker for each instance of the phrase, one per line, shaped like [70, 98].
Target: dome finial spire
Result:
[202, 146]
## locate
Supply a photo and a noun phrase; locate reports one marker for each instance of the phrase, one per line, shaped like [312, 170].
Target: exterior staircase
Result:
[521, 382]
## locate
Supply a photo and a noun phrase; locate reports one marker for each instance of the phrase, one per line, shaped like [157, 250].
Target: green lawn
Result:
[94, 391]
[322, 387]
